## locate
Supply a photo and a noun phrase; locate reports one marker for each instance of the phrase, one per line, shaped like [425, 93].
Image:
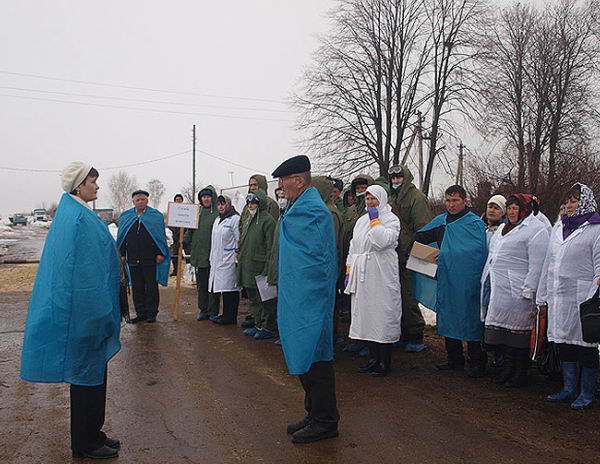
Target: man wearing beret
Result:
[307, 254]
[143, 245]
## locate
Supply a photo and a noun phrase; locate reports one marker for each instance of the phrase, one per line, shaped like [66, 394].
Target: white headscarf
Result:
[379, 192]
[74, 175]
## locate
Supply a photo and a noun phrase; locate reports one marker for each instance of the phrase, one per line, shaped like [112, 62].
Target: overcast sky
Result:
[247, 49]
[231, 63]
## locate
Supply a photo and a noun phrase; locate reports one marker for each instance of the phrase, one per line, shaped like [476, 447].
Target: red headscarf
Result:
[527, 205]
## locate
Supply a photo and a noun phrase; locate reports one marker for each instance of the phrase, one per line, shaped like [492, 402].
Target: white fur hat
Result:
[74, 175]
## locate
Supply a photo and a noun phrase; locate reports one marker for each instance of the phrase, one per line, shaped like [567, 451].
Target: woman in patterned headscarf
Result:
[570, 277]
[509, 282]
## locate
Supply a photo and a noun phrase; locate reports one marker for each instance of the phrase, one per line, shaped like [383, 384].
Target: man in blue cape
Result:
[73, 321]
[143, 245]
[307, 273]
[460, 236]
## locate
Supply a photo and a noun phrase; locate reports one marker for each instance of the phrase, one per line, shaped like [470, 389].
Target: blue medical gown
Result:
[73, 321]
[455, 293]
[154, 223]
[306, 286]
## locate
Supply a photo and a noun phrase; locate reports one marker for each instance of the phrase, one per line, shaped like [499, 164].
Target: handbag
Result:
[589, 314]
[124, 296]
[538, 333]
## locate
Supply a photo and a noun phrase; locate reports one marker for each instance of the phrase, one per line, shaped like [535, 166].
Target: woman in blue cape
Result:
[73, 321]
[307, 274]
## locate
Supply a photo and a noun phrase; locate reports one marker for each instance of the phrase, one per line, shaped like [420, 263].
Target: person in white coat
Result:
[509, 282]
[570, 277]
[224, 243]
[372, 281]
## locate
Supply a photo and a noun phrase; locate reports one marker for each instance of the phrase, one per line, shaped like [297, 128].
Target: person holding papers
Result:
[510, 280]
[460, 235]
[372, 281]
[255, 247]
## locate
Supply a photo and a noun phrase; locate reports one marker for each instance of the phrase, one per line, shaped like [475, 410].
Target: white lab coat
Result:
[224, 243]
[374, 283]
[571, 270]
[514, 266]
[544, 220]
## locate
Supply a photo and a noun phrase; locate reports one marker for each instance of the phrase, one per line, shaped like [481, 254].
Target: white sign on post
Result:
[183, 215]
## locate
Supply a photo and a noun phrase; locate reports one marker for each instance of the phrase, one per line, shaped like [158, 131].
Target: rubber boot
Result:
[570, 380]
[508, 366]
[385, 364]
[519, 377]
[589, 381]
[374, 358]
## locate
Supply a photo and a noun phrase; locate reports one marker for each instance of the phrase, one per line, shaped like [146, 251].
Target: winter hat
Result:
[74, 175]
[498, 200]
[294, 165]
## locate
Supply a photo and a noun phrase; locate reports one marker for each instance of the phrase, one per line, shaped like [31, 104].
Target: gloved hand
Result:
[347, 278]
[373, 213]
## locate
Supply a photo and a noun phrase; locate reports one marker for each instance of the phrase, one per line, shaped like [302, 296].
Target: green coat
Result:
[353, 214]
[256, 243]
[339, 204]
[272, 272]
[272, 206]
[325, 187]
[199, 239]
[413, 209]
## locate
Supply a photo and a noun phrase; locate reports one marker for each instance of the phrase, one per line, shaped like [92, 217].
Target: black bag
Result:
[589, 314]
[124, 296]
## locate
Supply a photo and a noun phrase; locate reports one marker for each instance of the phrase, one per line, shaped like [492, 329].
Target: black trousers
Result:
[584, 355]
[319, 394]
[231, 302]
[144, 290]
[88, 406]
[454, 348]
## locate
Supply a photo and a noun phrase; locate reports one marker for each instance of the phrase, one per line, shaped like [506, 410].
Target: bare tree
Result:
[364, 87]
[451, 24]
[188, 192]
[156, 189]
[121, 186]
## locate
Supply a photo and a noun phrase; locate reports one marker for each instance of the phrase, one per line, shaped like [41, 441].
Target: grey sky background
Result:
[252, 51]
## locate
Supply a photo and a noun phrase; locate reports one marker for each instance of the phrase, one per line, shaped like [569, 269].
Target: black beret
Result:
[294, 165]
[140, 192]
[338, 184]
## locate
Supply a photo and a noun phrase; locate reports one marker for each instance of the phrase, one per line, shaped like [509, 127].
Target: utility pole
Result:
[231, 174]
[420, 146]
[461, 162]
[194, 163]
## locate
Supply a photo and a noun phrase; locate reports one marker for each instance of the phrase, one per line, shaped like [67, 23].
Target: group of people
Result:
[318, 254]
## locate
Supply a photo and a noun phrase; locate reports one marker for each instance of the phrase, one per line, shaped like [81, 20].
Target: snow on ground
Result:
[113, 229]
[428, 315]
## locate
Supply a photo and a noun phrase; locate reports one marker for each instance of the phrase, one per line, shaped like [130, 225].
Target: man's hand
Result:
[123, 260]
[160, 259]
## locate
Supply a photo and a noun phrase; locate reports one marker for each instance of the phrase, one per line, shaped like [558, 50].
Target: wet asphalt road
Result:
[24, 242]
[193, 392]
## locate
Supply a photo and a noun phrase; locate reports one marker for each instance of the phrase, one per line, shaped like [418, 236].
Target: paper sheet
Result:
[267, 292]
[421, 266]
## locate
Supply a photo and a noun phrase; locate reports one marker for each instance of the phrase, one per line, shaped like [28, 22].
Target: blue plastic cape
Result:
[306, 286]
[73, 321]
[457, 289]
[154, 223]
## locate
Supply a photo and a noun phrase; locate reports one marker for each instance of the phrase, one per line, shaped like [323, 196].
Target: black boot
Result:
[374, 358]
[508, 366]
[384, 366]
[519, 376]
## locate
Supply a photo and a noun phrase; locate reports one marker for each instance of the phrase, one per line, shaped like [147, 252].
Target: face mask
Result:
[282, 203]
[362, 194]
[253, 211]
[396, 186]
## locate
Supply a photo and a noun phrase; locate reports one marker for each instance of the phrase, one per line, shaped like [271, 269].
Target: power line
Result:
[147, 89]
[140, 100]
[102, 105]
[154, 160]
[233, 163]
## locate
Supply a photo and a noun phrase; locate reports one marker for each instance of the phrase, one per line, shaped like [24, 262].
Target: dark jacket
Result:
[413, 209]
[139, 247]
[256, 243]
[199, 239]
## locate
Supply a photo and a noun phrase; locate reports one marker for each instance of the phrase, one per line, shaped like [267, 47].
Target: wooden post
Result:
[179, 272]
